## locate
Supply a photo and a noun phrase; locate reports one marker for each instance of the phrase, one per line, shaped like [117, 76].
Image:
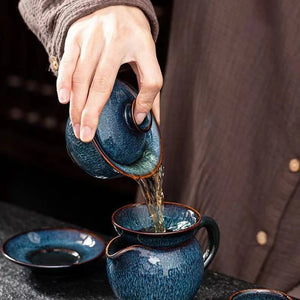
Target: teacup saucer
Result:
[53, 248]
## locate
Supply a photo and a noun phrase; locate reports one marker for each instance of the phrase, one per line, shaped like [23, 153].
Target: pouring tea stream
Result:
[156, 254]
[123, 148]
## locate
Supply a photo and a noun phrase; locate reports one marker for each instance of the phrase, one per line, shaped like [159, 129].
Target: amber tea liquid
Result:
[154, 197]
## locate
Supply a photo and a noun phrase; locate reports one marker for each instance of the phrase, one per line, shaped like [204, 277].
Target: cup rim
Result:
[260, 290]
[156, 233]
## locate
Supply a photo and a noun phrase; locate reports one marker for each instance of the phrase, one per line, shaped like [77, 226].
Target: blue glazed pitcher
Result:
[120, 146]
[165, 266]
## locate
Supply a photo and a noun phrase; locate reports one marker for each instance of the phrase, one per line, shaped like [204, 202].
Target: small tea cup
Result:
[260, 294]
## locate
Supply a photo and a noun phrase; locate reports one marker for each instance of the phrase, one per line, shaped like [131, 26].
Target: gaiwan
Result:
[120, 146]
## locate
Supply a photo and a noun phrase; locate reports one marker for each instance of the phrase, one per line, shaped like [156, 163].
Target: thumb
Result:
[142, 108]
[145, 99]
[156, 108]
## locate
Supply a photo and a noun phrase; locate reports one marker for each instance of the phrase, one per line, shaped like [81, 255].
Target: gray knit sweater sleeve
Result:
[50, 20]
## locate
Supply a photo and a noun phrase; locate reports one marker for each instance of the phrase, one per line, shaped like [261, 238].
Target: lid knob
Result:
[131, 122]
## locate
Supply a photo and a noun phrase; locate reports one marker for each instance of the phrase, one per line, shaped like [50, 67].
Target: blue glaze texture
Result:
[87, 246]
[164, 274]
[164, 266]
[129, 151]
[87, 157]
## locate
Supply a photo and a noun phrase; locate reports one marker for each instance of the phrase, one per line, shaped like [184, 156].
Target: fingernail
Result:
[86, 134]
[140, 118]
[76, 129]
[63, 96]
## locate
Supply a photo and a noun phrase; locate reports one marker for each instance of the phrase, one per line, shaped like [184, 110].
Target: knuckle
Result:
[89, 56]
[145, 105]
[100, 85]
[75, 110]
[153, 85]
[160, 82]
[74, 114]
[90, 117]
[78, 79]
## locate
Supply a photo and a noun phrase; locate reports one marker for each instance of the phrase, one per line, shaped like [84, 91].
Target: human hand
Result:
[95, 48]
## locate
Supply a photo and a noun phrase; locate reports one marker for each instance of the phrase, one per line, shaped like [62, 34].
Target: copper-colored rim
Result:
[134, 246]
[135, 177]
[157, 233]
[122, 251]
[55, 229]
[262, 290]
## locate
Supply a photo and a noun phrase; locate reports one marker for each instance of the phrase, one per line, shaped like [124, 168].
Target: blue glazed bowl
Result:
[53, 248]
[120, 146]
[260, 294]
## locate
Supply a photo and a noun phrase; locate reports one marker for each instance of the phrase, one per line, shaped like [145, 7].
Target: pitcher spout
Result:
[117, 247]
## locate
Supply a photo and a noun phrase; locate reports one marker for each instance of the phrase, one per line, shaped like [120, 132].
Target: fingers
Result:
[100, 90]
[150, 84]
[88, 81]
[156, 108]
[95, 48]
[81, 81]
[65, 72]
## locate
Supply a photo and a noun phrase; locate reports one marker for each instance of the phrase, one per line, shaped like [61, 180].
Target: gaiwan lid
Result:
[132, 150]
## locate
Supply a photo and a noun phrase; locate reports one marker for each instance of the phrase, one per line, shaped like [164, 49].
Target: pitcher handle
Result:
[213, 239]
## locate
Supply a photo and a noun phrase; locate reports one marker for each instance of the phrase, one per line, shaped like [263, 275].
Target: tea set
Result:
[140, 264]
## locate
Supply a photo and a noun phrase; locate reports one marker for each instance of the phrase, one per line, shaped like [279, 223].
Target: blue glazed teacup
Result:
[260, 294]
[165, 266]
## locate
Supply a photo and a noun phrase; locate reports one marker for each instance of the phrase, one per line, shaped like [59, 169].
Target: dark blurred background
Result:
[36, 171]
